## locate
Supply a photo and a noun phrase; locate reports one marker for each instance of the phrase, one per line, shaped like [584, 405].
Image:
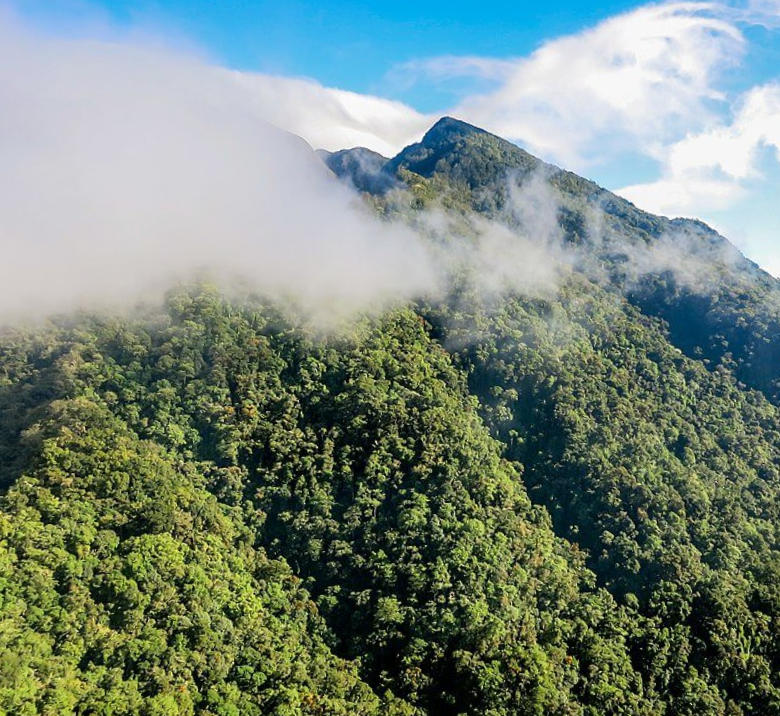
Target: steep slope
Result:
[719, 306]
[217, 432]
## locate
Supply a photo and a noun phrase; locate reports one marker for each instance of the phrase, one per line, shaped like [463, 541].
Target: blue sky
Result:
[675, 105]
[352, 45]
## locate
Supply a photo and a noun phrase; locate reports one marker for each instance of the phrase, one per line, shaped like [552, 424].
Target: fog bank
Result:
[126, 167]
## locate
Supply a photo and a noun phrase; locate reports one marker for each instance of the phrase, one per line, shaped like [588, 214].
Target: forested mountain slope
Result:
[720, 307]
[523, 503]
[359, 462]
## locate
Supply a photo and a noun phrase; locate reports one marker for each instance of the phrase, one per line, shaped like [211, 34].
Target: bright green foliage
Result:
[206, 437]
[127, 588]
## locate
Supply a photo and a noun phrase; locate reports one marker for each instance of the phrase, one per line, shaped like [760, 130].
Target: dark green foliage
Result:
[735, 324]
[666, 474]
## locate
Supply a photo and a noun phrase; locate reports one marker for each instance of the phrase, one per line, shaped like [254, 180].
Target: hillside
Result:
[562, 502]
[719, 306]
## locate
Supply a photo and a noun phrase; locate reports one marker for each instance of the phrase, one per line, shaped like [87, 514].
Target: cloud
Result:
[697, 260]
[331, 118]
[707, 170]
[452, 66]
[761, 12]
[635, 79]
[520, 250]
[125, 166]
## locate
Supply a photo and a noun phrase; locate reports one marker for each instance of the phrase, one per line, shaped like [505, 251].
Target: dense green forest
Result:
[562, 504]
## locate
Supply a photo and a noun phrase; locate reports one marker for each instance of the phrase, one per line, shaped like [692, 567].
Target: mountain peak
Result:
[449, 129]
[462, 152]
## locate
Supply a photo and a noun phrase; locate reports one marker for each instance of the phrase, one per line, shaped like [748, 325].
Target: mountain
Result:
[719, 306]
[360, 166]
[540, 502]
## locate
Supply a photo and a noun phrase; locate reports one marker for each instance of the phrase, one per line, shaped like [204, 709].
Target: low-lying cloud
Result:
[127, 166]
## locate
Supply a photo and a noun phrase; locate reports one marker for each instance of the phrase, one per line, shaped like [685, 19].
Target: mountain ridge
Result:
[696, 276]
[448, 134]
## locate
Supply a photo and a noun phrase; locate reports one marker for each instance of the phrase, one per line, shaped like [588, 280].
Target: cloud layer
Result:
[125, 166]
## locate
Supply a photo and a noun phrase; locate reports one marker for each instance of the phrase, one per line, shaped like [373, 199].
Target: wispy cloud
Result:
[637, 79]
[449, 66]
[124, 160]
[761, 12]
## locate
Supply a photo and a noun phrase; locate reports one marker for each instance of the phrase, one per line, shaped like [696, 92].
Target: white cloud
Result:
[707, 170]
[126, 167]
[639, 78]
[732, 149]
[447, 66]
[331, 118]
[644, 82]
[690, 195]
